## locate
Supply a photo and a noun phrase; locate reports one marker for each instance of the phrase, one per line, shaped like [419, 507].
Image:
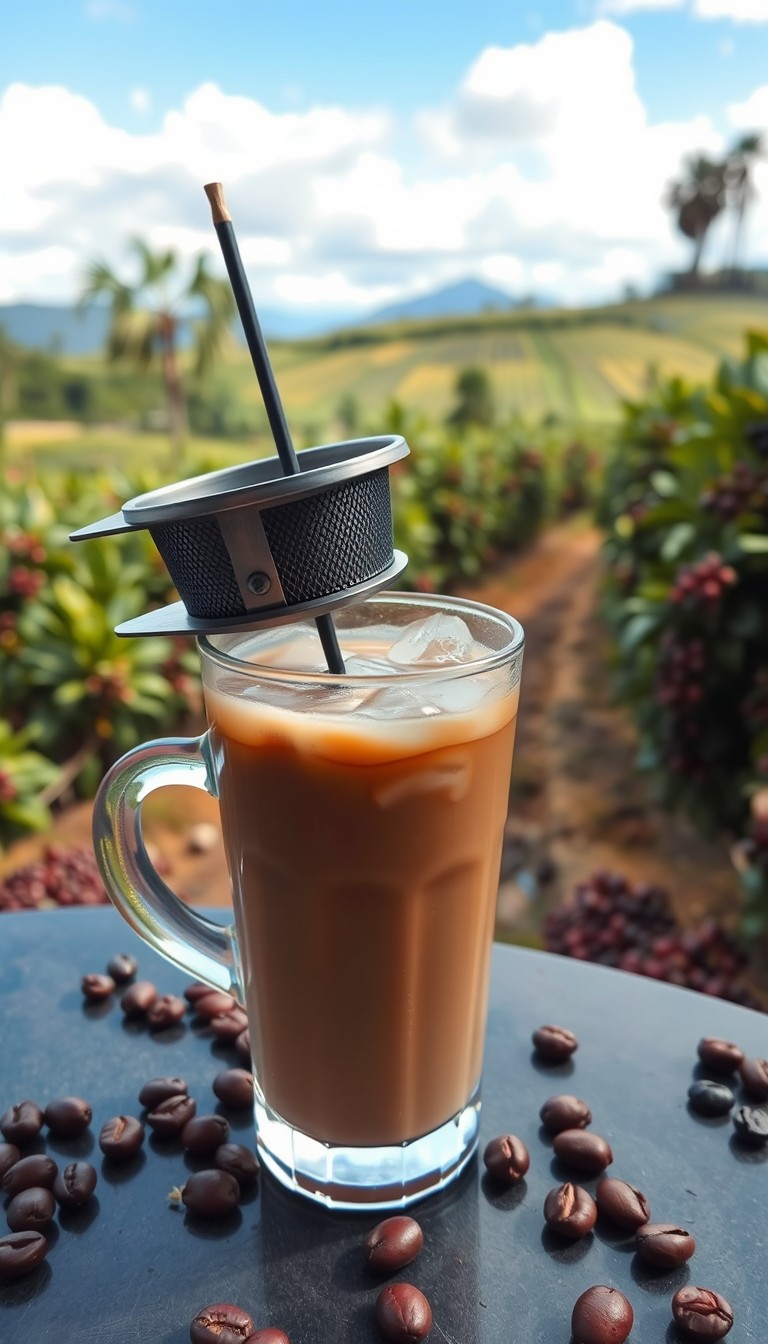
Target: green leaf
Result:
[636, 630]
[664, 483]
[32, 815]
[753, 543]
[757, 343]
[676, 540]
[69, 693]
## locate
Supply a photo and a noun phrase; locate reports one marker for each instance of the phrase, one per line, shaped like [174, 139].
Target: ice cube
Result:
[368, 665]
[436, 640]
[392, 702]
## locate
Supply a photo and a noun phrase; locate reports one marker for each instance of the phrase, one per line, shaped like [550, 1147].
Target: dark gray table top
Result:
[129, 1269]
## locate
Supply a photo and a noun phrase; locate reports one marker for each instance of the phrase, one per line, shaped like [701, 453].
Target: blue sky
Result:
[403, 107]
[291, 53]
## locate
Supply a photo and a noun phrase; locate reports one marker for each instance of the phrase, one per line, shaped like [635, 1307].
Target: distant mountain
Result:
[64, 330]
[42, 326]
[456, 300]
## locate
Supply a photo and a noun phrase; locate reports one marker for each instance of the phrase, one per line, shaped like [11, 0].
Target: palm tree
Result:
[698, 198]
[145, 317]
[740, 186]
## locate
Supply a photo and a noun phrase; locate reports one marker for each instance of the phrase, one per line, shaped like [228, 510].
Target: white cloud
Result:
[38, 270]
[140, 100]
[752, 114]
[620, 7]
[739, 11]
[541, 171]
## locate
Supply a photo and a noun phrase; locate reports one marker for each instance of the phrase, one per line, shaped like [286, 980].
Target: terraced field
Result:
[564, 365]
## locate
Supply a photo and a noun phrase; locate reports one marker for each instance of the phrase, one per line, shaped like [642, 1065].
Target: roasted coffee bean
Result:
[211, 1194]
[751, 1125]
[21, 1123]
[243, 1046]
[213, 1003]
[171, 1115]
[68, 1116]
[555, 1044]
[160, 1089]
[20, 1253]
[9, 1155]
[166, 1011]
[663, 1245]
[710, 1098]
[754, 1076]
[581, 1149]
[621, 1203]
[137, 998]
[565, 1112]
[234, 1087]
[393, 1244]
[702, 1313]
[601, 1315]
[570, 1211]
[75, 1184]
[121, 1137]
[403, 1313]
[506, 1158]
[122, 967]
[239, 1161]
[197, 990]
[720, 1056]
[268, 1336]
[221, 1323]
[31, 1210]
[228, 1026]
[28, 1172]
[205, 1133]
[97, 987]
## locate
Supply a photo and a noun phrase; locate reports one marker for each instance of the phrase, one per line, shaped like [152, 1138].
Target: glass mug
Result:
[363, 818]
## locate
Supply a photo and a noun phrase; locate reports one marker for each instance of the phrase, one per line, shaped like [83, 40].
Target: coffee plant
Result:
[463, 498]
[685, 506]
[73, 696]
[24, 776]
[65, 875]
[632, 927]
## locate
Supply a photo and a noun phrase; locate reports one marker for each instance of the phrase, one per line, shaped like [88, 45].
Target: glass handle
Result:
[205, 949]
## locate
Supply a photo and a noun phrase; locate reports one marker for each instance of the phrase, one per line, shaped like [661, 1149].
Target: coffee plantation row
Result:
[73, 696]
[685, 508]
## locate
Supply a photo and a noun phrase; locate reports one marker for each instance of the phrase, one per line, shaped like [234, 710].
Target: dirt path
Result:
[578, 802]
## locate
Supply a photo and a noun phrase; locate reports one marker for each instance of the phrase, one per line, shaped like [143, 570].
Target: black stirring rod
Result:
[222, 221]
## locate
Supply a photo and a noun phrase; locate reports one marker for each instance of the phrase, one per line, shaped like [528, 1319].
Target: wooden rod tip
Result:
[215, 193]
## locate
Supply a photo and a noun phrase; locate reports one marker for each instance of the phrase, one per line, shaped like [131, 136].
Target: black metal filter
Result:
[250, 546]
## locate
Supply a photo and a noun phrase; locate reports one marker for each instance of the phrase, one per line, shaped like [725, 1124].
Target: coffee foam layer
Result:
[405, 717]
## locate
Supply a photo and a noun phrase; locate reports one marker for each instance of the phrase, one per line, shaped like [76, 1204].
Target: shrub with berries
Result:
[73, 696]
[685, 506]
[65, 875]
[464, 496]
[633, 927]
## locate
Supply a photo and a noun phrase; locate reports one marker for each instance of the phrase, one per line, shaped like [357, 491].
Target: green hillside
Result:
[571, 366]
[575, 365]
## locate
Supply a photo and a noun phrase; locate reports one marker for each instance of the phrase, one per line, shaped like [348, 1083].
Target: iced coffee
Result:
[363, 819]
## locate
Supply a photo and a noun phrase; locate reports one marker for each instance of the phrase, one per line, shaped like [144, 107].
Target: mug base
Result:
[353, 1178]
